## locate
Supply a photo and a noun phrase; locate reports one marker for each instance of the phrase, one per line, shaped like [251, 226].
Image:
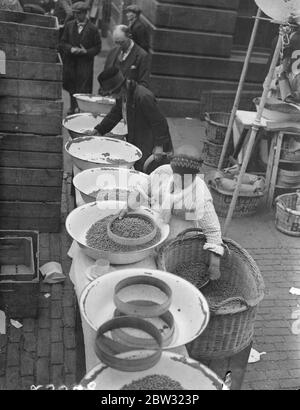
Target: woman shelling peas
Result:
[178, 192]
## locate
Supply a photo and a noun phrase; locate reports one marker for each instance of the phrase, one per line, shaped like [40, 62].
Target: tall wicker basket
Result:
[287, 219]
[216, 126]
[231, 325]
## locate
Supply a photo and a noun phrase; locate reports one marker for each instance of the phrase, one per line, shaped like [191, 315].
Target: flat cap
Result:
[133, 9]
[80, 6]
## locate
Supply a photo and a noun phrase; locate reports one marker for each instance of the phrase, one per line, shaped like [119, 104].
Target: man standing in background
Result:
[130, 58]
[139, 31]
[80, 43]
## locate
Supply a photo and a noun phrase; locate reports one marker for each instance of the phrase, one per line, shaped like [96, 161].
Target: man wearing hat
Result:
[80, 43]
[139, 30]
[147, 128]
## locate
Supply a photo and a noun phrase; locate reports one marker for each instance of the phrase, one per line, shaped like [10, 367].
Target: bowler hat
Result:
[110, 80]
[80, 6]
[133, 9]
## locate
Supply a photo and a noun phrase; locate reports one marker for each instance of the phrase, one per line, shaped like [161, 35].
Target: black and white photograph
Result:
[149, 198]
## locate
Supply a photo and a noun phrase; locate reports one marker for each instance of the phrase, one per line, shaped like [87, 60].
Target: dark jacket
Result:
[147, 127]
[78, 69]
[140, 34]
[138, 58]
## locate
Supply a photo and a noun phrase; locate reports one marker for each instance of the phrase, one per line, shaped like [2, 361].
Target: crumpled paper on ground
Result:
[255, 356]
[16, 324]
[2, 323]
[52, 272]
[295, 291]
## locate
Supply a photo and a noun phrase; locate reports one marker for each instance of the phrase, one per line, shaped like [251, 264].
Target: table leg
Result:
[270, 164]
[278, 147]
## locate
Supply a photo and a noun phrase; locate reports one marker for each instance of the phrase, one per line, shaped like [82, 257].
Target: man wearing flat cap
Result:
[80, 43]
[147, 128]
[139, 31]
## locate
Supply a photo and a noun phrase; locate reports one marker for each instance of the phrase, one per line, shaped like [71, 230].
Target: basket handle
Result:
[280, 202]
[190, 230]
[239, 299]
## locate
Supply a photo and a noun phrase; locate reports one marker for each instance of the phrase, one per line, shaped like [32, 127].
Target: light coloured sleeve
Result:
[207, 220]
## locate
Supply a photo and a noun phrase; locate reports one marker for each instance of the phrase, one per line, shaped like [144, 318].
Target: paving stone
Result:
[42, 371]
[2, 363]
[44, 303]
[12, 378]
[44, 319]
[69, 338]
[3, 342]
[69, 317]
[266, 385]
[13, 354]
[43, 343]
[2, 383]
[70, 380]
[253, 376]
[45, 287]
[289, 383]
[28, 325]
[57, 353]
[27, 382]
[56, 330]
[27, 364]
[70, 361]
[14, 334]
[57, 291]
[68, 299]
[56, 309]
[29, 342]
[57, 376]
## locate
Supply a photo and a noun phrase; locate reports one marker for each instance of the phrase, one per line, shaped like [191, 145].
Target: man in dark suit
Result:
[147, 127]
[131, 59]
[139, 31]
[80, 43]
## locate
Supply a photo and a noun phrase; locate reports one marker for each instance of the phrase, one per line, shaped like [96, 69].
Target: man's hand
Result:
[214, 266]
[158, 152]
[76, 50]
[83, 50]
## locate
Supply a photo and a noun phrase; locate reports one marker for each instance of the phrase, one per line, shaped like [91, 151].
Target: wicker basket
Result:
[287, 220]
[216, 126]
[231, 325]
[211, 154]
[245, 206]
[290, 155]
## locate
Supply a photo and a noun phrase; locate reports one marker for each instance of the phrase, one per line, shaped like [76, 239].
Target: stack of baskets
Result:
[222, 187]
[287, 215]
[231, 326]
[216, 127]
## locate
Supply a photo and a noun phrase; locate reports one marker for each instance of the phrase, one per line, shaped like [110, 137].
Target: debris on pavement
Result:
[16, 324]
[255, 356]
[2, 323]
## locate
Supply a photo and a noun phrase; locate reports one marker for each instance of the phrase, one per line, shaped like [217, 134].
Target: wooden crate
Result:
[31, 168]
[28, 115]
[18, 52]
[39, 71]
[19, 299]
[29, 29]
[42, 216]
[46, 90]
[16, 259]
